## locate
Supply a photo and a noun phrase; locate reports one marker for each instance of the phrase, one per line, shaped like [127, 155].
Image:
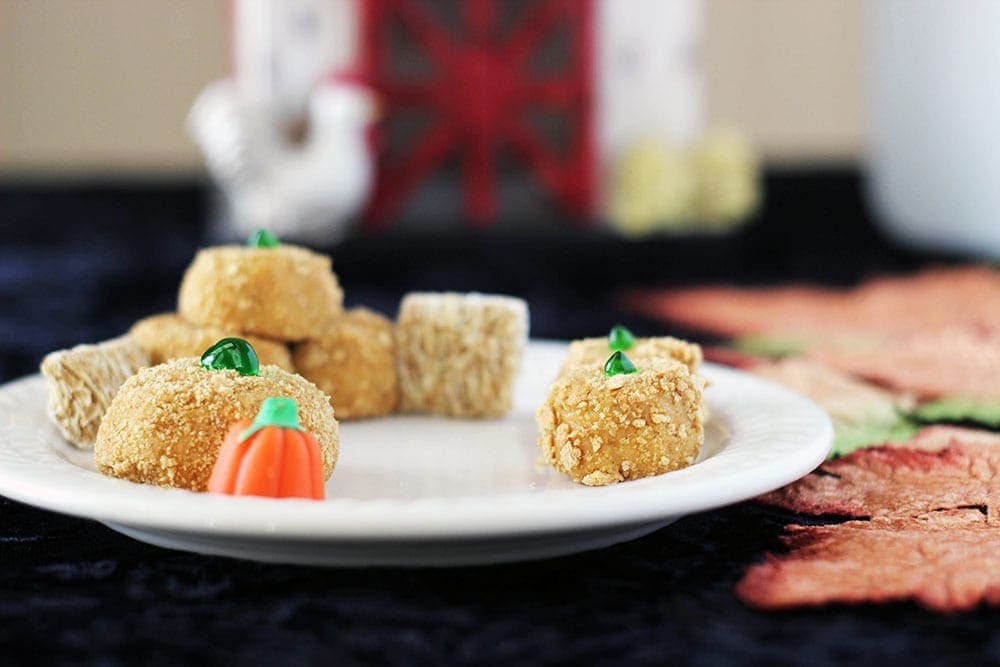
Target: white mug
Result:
[934, 162]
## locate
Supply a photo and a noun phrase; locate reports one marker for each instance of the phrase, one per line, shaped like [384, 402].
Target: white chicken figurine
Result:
[307, 190]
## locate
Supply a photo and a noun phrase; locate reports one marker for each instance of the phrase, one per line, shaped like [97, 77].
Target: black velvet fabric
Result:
[81, 263]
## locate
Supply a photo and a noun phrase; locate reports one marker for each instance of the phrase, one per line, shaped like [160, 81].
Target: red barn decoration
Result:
[511, 113]
[476, 79]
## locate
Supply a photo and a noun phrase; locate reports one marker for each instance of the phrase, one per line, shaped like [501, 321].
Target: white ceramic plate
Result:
[430, 491]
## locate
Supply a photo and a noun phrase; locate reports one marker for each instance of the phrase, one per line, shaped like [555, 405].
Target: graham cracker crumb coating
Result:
[167, 423]
[595, 351]
[354, 361]
[82, 381]
[286, 293]
[458, 354]
[602, 430]
[169, 336]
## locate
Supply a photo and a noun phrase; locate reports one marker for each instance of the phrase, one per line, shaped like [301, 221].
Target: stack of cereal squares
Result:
[450, 354]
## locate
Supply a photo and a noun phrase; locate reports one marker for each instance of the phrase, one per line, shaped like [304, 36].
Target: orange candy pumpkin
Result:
[270, 456]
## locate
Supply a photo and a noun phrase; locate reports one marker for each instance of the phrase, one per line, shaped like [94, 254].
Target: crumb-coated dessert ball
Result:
[595, 351]
[166, 424]
[458, 354]
[286, 293]
[169, 336]
[601, 430]
[354, 361]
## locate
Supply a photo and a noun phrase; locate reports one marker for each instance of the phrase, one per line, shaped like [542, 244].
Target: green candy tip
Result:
[263, 239]
[619, 364]
[231, 354]
[277, 411]
[620, 338]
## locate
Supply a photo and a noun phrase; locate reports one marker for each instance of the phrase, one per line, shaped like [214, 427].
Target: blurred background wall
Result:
[102, 86]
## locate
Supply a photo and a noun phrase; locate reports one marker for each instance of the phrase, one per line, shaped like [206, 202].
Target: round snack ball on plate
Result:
[354, 361]
[595, 351]
[169, 336]
[166, 424]
[601, 430]
[286, 293]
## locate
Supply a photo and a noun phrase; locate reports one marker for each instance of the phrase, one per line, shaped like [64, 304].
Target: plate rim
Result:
[37, 481]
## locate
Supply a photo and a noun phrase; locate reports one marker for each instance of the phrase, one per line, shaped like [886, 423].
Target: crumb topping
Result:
[603, 430]
[168, 336]
[286, 293]
[167, 423]
[354, 361]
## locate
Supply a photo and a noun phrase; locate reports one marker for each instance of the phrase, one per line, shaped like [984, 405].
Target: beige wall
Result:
[790, 71]
[104, 85]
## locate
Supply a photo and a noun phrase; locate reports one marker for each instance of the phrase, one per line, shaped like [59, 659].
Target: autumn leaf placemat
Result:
[932, 340]
[910, 509]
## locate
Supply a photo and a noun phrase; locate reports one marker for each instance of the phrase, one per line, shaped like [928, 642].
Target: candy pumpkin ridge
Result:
[271, 456]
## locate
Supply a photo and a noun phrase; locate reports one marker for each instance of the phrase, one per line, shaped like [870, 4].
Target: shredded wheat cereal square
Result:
[82, 381]
[458, 354]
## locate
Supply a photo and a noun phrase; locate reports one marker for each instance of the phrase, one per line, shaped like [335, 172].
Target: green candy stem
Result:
[263, 239]
[620, 338]
[619, 364]
[231, 354]
[275, 411]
